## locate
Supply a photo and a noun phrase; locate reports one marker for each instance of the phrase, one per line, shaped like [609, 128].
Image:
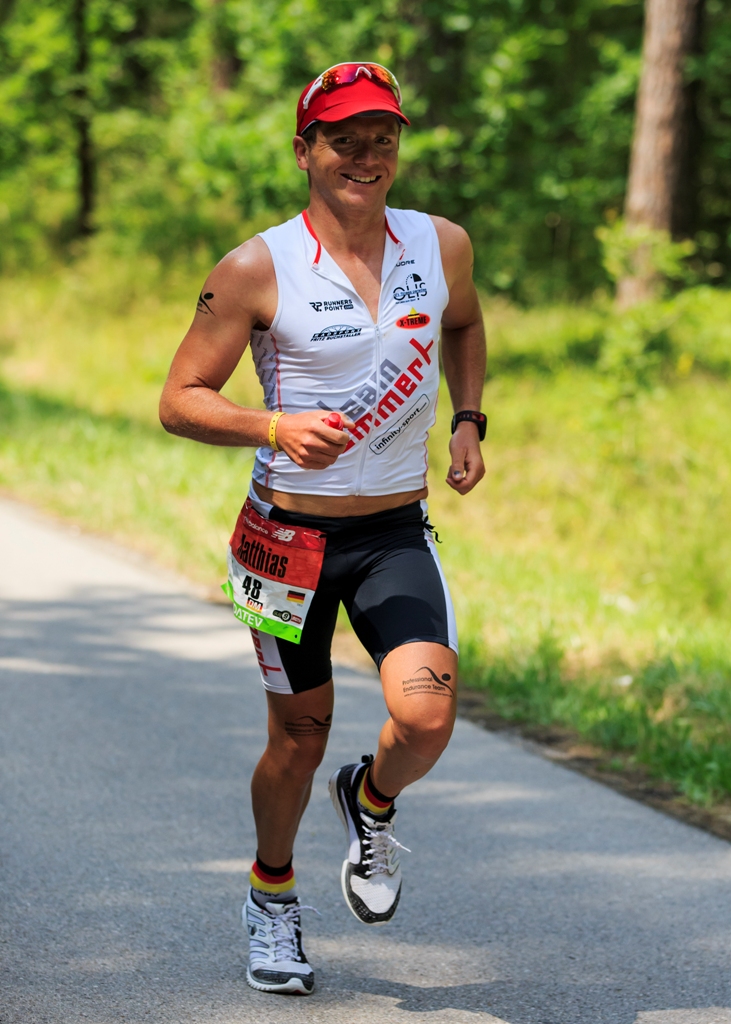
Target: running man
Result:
[343, 307]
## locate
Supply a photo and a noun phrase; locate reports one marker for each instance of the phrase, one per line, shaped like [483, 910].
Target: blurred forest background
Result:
[142, 139]
[180, 112]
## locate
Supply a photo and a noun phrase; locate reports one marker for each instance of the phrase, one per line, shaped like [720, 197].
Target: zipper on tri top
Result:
[364, 441]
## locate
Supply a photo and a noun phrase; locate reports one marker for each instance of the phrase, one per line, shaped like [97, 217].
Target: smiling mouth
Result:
[363, 180]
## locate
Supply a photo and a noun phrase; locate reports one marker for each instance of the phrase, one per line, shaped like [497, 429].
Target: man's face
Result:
[353, 162]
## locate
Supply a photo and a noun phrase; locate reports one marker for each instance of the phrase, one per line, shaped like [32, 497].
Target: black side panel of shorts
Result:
[400, 601]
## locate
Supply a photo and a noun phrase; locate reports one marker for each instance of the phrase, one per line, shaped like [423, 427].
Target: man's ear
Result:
[301, 152]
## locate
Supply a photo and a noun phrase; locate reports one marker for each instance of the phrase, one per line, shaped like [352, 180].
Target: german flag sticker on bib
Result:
[413, 320]
[272, 570]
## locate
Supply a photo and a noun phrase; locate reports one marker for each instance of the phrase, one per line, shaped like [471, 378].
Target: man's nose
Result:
[366, 152]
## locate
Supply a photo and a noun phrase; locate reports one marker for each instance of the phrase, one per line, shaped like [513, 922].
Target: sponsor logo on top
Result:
[332, 306]
[380, 444]
[413, 290]
[364, 408]
[336, 331]
[413, 320]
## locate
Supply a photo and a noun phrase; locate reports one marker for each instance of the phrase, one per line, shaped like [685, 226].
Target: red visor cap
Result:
[359, 97]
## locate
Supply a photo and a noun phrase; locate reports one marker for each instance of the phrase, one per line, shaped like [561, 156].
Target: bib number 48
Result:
[251, 586]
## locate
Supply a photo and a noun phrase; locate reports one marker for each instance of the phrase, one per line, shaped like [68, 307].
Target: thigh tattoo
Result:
[425, 680]
[308, 725]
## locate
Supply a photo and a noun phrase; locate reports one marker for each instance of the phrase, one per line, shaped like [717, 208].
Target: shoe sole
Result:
[333, 790]
[334, 796]
[293, 987]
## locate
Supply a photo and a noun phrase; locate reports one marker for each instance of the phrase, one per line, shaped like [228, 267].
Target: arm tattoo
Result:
[425, 680]
[203, 306]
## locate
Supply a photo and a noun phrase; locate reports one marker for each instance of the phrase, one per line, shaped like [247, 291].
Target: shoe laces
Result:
[383, 847]
[286, 930]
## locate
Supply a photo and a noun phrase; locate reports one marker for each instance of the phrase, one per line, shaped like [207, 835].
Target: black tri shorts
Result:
[385, 569]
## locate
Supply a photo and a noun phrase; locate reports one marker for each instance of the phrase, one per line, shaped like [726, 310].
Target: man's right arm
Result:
[239, 294]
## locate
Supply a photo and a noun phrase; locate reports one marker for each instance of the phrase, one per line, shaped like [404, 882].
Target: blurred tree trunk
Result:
[225, 63]
[660, 181]
[6, 9]
[82, 122]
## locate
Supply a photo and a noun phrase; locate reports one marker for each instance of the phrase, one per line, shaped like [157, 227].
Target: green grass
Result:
[673, 717]
[597, 549]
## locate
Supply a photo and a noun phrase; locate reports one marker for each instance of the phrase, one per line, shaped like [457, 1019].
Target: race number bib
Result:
[273, 569]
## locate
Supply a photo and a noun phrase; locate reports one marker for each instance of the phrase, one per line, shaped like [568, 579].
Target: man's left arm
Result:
[463, 353]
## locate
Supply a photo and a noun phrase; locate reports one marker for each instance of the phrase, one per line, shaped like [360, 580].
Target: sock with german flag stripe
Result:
[272, 885]
[373, 802]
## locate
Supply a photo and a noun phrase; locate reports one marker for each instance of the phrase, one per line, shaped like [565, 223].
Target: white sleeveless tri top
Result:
[323, 350]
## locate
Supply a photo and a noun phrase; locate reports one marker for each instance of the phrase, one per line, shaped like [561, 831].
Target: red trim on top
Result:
[279, 403]
[391, 234]
[269, 466]
[312, 232]
[310, 228]
[279, 375]
[426, 441]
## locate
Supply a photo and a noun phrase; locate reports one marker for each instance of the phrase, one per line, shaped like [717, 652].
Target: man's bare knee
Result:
[299, 725]
[424, 736]
[298, 756]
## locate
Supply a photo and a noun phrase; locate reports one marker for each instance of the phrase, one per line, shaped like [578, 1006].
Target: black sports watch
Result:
[471, 416]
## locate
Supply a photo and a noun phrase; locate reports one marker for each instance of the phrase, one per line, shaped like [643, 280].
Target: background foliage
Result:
[521, 109]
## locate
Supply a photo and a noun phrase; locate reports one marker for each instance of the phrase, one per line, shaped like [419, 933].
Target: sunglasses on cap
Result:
[346, 74]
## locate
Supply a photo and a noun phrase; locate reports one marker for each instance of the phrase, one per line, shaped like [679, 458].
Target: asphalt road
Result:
[131, 716]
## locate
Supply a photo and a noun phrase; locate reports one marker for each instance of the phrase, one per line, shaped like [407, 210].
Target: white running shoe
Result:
[277, 962]
[371, 874]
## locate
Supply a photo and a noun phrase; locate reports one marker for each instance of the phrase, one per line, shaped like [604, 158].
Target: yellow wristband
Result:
[273, 431]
